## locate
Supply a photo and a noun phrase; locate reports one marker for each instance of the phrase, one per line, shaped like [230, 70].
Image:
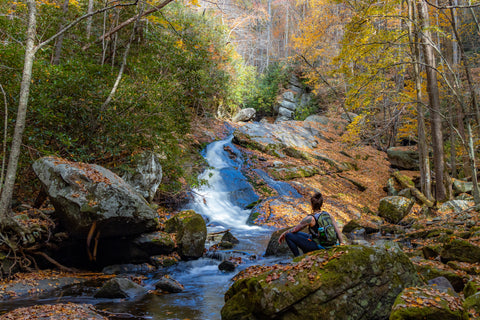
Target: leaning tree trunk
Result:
[434, 99]
[7, 190]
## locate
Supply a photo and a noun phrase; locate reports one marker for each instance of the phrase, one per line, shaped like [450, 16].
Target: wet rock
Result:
[147, 174]
[83, 194]
[350, 282]
[435, 305]
[167, 284]
[128, 268]
[164, 261]
[394, 208]
[191, 233]
[227, 266]
[120, 288]
[244, 115]
[276, 249]
[228, 236]
[155, 243]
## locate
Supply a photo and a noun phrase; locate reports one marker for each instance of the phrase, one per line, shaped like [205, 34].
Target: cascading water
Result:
[221, 201]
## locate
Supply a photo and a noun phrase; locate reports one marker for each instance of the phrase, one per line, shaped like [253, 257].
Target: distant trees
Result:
[403, 62]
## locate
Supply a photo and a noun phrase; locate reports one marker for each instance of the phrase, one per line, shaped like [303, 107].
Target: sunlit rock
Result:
[395, 208]
[191, 233]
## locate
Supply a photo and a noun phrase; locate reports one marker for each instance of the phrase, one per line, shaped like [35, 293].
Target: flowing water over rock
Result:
[222, 202]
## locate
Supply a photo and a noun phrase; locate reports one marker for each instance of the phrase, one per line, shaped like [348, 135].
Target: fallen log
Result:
[405, 182]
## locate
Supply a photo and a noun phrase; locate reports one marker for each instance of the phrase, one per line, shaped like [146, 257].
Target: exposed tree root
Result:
[51, 260]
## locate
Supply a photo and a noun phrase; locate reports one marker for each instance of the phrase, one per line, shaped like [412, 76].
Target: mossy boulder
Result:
[427, 303]
[460, 250]
[191, 233]
[348, 282]
[403, 157]
[394, 208]
[472, 305]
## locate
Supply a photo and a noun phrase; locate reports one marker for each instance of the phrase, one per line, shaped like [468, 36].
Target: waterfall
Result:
[226, 192]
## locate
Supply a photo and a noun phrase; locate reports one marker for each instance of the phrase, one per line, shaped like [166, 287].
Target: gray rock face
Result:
[246, 114]
[276, 136]
[403, 157]
[350, 282]
[120, 288]
[83, 194]
[394, 208]
[276, 249]
[320, 119]
[147, 175]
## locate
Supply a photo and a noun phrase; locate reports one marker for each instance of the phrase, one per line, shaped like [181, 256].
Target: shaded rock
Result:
[279, 211]
[120, 288]
[351, 282]
[472, 305]
[83, 194]
[168, 284]
[394, 208]
[430, 269]
[156, 243]
[435, 305]
[404, 158]
[226, 266]
[370, 226]
[471, 288]
[441, 284]
[128, 268]
[276, 249]
[460, 250]
[245, 115]
[455, 206]
[147, 175]
[191, 233]
[461, 186]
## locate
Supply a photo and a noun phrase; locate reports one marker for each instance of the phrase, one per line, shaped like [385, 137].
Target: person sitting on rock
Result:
[323, 231]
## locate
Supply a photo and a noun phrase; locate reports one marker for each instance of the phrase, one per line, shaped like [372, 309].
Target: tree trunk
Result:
[7, 190]
[59, 43]
[424, 160]
[434, 101]
[89, 20]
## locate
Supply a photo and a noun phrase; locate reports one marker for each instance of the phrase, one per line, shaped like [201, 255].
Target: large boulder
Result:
[83, 194]
[405, 158]
[394, 208]
[147, 175]
[156, 243]
[351, 282]
[191, 233]
[277, 249]
[455, 206]
[244, 115]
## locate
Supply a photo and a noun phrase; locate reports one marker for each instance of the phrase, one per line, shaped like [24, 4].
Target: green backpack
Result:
[324, 232]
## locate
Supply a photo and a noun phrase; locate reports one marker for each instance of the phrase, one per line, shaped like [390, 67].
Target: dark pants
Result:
[301, 240]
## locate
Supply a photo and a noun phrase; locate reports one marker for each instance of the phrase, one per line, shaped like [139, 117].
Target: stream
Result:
[221, 201]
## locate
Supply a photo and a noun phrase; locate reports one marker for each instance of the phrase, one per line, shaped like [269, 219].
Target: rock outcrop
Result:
[83, 194]
[191, 233]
